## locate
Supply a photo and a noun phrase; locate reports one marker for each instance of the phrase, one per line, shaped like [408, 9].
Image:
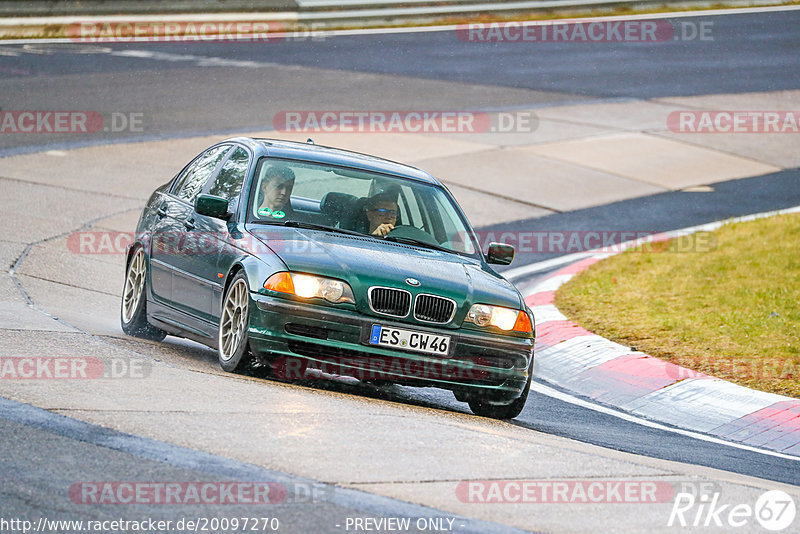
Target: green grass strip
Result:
[730, 309]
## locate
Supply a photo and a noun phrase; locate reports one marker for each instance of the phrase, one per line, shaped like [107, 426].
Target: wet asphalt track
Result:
[749, 53]
[198, 88]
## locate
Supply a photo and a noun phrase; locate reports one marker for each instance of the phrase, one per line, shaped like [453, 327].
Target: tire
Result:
[233, 346]
[133, 309]
[503, 411]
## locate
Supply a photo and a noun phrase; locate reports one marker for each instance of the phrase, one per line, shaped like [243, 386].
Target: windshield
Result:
[373, 204]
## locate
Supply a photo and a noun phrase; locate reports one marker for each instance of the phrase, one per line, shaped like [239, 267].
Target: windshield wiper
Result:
[417, 242]
[324, 227]
[270, 222]
[307, 225]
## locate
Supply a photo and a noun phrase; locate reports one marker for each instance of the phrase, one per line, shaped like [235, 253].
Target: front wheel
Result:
[503, 411]
[133, 312]
[233, 345]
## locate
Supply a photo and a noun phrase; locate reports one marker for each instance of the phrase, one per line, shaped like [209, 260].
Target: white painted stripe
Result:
[135, 53]
[580, 353]
[552, 283]
[546, 265]
[583, 403]
[593, 347]
[561, 363]
[701, 404]
[200, 61]
[533, 268]
[546, 313]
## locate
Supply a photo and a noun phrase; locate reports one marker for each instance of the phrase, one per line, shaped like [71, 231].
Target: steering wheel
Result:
[412, 232]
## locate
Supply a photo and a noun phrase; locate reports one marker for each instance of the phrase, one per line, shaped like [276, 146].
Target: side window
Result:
[228, 182]
[444, 218]
[407, 203]
[192, 182]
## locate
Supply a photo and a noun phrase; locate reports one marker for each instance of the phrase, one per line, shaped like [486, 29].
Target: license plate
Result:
[400, 338]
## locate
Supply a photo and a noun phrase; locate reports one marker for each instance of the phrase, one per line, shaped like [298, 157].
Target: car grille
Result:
[395, 302]
[433, 309]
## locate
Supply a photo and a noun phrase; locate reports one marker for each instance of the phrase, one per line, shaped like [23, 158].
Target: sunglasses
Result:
[383, 211]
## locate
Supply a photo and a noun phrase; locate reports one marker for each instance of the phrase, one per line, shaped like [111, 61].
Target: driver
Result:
[276, 188]
[381, 212]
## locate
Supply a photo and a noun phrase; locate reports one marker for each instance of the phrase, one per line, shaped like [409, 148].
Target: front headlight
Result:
[502, 318]
[311, 286]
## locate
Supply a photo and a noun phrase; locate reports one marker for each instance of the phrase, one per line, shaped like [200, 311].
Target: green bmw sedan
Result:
[313, 261]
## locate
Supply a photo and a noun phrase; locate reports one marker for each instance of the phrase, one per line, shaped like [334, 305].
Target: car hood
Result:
[365, 262]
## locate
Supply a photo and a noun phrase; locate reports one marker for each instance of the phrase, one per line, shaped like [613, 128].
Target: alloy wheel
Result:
[233, 323]
[134, 285]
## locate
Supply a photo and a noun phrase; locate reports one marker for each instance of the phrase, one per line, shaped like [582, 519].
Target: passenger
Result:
[276, 191]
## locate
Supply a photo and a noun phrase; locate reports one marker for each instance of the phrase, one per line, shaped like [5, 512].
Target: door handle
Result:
[161, 212]
[189, 224]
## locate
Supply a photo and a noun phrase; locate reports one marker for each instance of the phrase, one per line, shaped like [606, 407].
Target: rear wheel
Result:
[133, 312]
[233, 344]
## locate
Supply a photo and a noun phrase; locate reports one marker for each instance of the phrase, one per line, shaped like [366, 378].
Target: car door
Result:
[166, 234]
[162, 244]
[216, 258]
[176, 241]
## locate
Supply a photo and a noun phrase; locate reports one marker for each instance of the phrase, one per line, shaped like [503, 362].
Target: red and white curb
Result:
[579, 361]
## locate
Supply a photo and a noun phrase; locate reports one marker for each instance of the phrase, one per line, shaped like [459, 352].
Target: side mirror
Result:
[212, 206]
[500, 254]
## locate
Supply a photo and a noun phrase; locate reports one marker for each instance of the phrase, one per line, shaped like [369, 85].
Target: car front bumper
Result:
[489, 366]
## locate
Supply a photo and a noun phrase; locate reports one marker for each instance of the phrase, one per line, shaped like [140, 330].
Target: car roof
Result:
[308, 151]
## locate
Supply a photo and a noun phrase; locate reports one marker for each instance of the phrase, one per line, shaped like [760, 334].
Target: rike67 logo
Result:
[774, 510]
